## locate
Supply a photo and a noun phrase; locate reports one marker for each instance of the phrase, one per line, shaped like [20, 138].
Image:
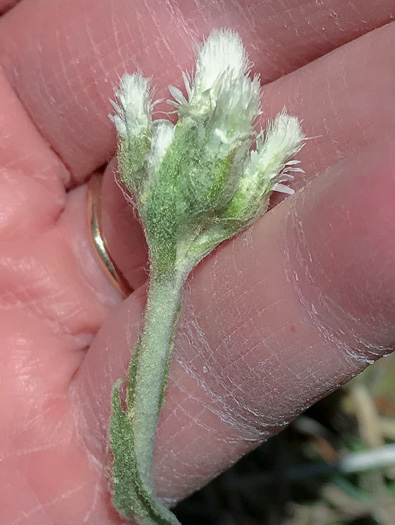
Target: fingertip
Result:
[343, 242]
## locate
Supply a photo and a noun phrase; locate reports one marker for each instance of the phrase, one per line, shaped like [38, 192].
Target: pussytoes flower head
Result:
[133, 106]
[214, 169]
[271, 161]
[221, 63]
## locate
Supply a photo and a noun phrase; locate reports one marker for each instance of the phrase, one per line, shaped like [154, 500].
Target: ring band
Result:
[97, 239]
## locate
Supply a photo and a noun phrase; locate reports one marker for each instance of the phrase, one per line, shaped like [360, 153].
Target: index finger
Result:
[63, 57]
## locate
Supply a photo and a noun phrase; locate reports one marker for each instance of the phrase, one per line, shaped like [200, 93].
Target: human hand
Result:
[271, 322]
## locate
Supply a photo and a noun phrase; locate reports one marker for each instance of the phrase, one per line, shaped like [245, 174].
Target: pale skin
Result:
[272, 321]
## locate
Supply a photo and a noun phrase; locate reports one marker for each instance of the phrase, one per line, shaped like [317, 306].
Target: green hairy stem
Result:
[132, 430]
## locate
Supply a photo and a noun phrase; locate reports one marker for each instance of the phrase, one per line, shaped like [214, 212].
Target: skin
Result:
[272, 321]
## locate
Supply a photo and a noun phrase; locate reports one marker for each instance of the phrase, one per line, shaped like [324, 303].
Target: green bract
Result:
[195, 184]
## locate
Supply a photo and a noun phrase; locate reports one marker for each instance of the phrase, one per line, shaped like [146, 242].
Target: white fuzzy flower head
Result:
[221, 54]
[270, 162]
[221, 94]
[236, 109]
[133, 106]
[222, 67]
[162, 137]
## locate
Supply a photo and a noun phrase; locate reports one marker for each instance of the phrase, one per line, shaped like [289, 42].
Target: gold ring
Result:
[97, 239]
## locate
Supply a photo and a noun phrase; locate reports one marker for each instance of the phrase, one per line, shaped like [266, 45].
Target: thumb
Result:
[271, 322]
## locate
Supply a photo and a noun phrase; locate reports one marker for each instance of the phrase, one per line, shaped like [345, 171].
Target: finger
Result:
[5, 5]
[22, 149]
[345, 101]
[274, 320]
[65, 66]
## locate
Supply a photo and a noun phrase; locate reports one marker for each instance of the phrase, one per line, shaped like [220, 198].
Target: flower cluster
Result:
[219, 183]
